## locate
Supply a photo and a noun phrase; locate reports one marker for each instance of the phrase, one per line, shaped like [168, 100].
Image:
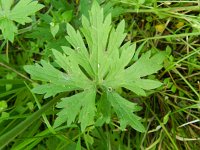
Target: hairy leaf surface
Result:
[97, 63]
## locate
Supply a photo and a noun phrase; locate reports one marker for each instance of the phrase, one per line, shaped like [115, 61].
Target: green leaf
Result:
[134, 88]
[75, 39]
[147, 84]
[23, 9]
[46, 72]
[97, 35]
[97, 61]
[76, 67]
[52, 89]
[112, 53]
[61, 60]
[88, 109]
[67, 15]
[83, 102]
[81, 52]
[19, 13]
[6, 5]
[131, 77]
[57, 81]
[124, 110]
[147, 65]
[8, 29]
[54, 29]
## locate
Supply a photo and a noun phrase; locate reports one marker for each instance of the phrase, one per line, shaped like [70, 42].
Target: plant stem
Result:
[18, 73]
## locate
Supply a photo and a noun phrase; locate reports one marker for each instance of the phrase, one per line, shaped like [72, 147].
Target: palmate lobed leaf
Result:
[56, 81]
[23, 9]
[124, 110]
[20, 13]
[84, 103]
[103, 65]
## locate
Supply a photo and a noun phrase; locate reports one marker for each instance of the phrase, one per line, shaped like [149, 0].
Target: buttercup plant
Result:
[19, 13]
[96, 64]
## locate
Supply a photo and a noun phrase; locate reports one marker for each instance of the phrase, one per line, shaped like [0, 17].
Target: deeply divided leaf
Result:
[96, 64]
[84, 103]
[124, 110]
[19, 13]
